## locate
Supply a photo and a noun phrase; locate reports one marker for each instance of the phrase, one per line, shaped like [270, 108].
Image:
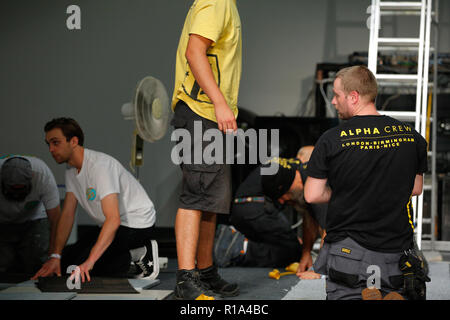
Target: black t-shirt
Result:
[252, 187]
[371, 163]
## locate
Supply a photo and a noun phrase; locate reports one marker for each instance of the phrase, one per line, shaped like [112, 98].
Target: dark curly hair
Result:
[69, 127]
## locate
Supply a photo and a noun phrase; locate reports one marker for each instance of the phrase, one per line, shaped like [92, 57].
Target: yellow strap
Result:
[409, 213]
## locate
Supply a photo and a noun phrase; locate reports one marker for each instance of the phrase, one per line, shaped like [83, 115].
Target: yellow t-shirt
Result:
[219, 21]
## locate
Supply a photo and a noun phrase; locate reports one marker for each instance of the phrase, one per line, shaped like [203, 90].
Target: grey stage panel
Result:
[28, 283]
[27, 290]
[36, 296]
[143, 284]
[97, 285]
[307, 290]
[144, 295]
[439, 287]
[6, 285]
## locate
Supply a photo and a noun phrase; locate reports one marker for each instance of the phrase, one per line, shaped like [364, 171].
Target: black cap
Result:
[16, 171]
[276, 185]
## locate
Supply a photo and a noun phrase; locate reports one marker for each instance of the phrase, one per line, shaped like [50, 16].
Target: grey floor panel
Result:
[27, 290]
[36, 296]
[29, 283]
[439, 287]
[307, 290]
[143, 284]
[144, 295]
[254, 283]
[6, 285]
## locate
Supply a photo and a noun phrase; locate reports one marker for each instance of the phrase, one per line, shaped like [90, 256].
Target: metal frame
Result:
[419, 116]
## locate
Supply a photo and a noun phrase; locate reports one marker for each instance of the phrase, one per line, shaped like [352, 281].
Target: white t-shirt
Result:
[102, 175]
[44, 195]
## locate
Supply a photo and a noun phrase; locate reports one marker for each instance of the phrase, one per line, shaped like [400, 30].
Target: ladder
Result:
[421, 46]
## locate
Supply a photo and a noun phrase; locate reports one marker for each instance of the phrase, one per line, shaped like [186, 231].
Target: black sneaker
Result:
[189, 287]
[211, 278]
[148, 264]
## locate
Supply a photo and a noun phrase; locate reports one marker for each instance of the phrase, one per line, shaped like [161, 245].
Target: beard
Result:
[342, 116]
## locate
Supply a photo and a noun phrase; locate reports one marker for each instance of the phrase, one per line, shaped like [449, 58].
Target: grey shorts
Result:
[205, 187]
[348, 267]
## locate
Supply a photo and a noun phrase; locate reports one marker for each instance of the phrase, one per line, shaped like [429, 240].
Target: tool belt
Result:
[414, 277]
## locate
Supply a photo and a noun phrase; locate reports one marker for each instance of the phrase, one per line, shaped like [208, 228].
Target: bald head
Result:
[305, 153]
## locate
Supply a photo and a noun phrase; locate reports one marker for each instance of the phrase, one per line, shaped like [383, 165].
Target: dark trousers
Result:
[272, 241]
[24, 246]
[116, 260]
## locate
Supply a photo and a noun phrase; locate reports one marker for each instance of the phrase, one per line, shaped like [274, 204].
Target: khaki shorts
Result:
[205, 187]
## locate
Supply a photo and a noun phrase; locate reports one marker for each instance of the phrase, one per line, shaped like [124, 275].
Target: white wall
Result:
[48, 71]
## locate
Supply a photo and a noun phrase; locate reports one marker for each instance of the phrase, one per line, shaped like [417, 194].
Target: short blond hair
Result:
[359, 79]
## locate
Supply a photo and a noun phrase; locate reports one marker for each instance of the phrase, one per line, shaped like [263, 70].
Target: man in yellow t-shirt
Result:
[208, 70]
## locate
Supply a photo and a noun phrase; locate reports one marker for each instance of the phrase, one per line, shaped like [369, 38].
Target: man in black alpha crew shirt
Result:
[367, 169]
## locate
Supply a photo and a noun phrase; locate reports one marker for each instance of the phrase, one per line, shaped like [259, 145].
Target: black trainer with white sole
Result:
[149, 262]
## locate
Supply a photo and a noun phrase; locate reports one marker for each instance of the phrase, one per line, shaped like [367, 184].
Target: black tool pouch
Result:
[414, 277]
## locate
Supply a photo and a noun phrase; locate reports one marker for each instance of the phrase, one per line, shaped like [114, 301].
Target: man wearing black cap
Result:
[286, 187]
[29, 211]
[256, 214]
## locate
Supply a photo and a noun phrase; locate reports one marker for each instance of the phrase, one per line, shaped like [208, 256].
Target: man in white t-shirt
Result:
[29, 212]
[112, 197]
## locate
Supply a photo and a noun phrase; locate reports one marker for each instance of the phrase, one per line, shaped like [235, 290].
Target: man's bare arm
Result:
[317, 190]
[198, 62]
